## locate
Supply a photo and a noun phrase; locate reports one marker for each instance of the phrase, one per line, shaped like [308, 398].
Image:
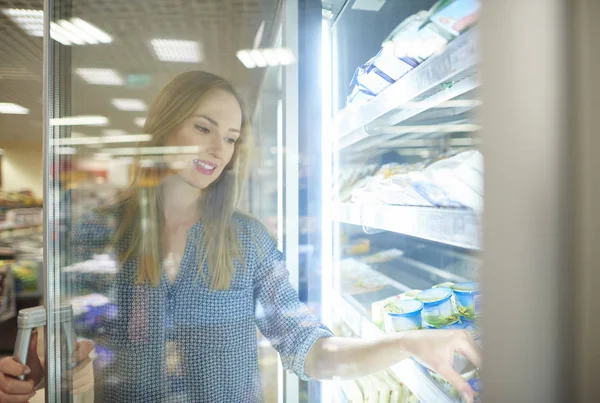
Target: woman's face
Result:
[214, 129]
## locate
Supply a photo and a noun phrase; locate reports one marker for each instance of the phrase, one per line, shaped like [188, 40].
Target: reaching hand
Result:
[436, 349]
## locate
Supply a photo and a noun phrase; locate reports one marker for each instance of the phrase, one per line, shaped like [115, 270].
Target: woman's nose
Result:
[216, 145]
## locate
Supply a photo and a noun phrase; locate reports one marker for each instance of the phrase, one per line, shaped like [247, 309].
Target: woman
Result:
[196, 277]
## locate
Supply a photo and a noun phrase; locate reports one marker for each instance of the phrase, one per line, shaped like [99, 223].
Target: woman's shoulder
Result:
[246, 223]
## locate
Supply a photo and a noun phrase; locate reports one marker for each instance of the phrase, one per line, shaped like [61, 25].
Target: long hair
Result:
[139, 234]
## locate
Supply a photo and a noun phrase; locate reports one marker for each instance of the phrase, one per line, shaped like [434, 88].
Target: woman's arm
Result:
[348, 358]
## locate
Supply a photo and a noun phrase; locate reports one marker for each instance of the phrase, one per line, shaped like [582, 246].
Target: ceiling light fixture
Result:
[68, 32]
[100, 76]
[128, 104]
[139, 122]
[252, 58]
[114, 132]
[80, 121]
[174, 50]
[78, 141]
[12, 109]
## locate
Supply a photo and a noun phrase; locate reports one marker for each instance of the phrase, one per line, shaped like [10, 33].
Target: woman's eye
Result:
[230, 141]
[202, 129]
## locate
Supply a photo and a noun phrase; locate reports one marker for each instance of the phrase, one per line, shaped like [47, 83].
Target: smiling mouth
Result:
[204, 167]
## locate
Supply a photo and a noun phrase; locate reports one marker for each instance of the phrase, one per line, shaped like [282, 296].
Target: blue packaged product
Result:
[468, 299]
[434, 194]
[401, 315]
[437, 307]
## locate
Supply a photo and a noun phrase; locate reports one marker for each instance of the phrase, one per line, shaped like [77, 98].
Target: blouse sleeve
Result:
[288, 324]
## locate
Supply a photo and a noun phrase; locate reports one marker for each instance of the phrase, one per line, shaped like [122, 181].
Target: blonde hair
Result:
[139, 234]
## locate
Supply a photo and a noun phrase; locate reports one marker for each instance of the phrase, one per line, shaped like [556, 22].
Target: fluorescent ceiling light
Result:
[91, 30]
[114, 132]
[182, 150]
[131, 138]
[30, 21]
[173, 50]
[66, 150]
[246, 59]
[252, 58]
[12, 109]
[68, 32]
[139, 122]
[80, 121]
[100, 76]
[127, 104]
[71, 29]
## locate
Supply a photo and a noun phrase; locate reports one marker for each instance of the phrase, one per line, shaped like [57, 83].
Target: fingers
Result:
[22, 398]
[461, 386]
[84, 348]
[12, 367]
[469, 349]
[10, 385]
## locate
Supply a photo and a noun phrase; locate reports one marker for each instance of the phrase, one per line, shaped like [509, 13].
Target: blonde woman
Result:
[197, 277]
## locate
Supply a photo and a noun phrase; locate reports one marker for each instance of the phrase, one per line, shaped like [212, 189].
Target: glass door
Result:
[129, 111]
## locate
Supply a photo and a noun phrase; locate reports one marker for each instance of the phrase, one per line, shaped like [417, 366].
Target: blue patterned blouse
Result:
[185, 342]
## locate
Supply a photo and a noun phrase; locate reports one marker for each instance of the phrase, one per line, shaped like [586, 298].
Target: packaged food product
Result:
[410, 294]
[352, 391]
[460, 177]
[378, 312]
[383, 256]
[401, 315]
[444, 285]
[416, 39]
[437, 307]
[432, 193]
[468, 299]
[471, 376]
[457, 16]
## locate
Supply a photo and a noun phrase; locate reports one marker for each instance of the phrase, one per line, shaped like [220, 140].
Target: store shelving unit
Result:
[425, 113]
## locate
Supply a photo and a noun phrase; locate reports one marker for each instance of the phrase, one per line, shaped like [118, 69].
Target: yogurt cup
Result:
[468, 299]
[437, 307]
[401, 315]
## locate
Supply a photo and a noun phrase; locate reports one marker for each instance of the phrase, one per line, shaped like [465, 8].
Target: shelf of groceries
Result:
[420, 67]
[438, 199]
[377, 295]
[21, 252]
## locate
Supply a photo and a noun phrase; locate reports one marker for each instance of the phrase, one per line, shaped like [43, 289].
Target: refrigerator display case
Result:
[402, 180]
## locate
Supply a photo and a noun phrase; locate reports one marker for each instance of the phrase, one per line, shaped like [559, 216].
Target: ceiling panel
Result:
[221, 27]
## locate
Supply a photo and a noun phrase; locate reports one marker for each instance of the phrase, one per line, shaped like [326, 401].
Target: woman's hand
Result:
[13, 390]
[436, 349]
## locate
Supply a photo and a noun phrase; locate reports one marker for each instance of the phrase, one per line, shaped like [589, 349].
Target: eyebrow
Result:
[214, 122]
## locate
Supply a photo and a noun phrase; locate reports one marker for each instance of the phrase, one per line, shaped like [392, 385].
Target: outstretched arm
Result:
[348, 358]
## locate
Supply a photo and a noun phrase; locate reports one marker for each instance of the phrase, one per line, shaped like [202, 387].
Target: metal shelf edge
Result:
[452, 227]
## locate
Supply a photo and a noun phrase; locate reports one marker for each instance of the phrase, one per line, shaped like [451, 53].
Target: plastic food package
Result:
[468, 299]
[461, 177]
[400, 191]
[402, 315]
[436, 195]
[415, 39]
[457, 16]
[437, 307]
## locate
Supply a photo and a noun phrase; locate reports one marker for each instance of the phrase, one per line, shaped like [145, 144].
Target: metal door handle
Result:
[32, 318]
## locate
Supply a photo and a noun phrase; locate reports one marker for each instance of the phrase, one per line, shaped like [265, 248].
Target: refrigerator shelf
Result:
[449, 226]
[408, 371]
[435, 82]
